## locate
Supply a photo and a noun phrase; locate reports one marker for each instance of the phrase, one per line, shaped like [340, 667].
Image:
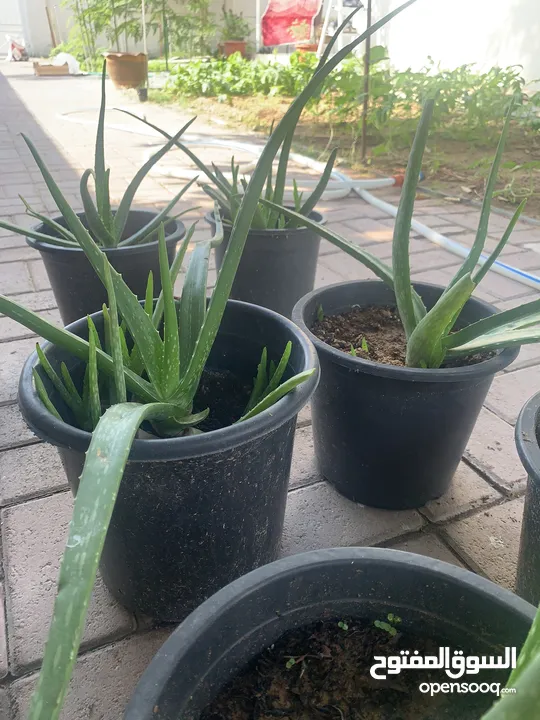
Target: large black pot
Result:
[77, 288]
[434, 599]
[277, 266]
[387, 436]
[194, 513]
[528, 572]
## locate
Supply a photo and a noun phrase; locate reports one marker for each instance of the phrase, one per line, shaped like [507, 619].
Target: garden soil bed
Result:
[322, 672]
[456, 163]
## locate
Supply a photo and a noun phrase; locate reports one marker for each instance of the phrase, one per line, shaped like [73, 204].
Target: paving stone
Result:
[510, 392]
[319, 517]
[489, 541]
[103, 680]
[442, 276]
[34, 535]
[13, 430]
[304, 468]
[525, 260]
[15, 278]
[40, 279]
[345, 266]
[12, 330]
[430, 545]
[304, 416]
[492, 451]
[3, 637]
[370, 231]
[9, 241]
[36, 301]
[30, 471]
[437, 258]
[14, 354]
[10, 254]
[325, 276]
[468, 491]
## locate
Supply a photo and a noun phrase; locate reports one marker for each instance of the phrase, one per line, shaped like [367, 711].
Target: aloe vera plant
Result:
[228, 191]
[107, 226]
[155, 381]
[431, 334]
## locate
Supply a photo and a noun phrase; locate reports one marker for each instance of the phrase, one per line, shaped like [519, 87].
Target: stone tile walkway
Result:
[476, 525]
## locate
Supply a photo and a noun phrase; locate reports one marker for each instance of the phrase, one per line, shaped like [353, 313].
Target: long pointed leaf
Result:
[277, 394]
[63, 233]
[161, 217]
[170, 364]
[478, 246]
[72, 400]
[28, 232]
[193, 303]
[261, 381]
[317, 193]
[73, 344]
[174, 271]
[281, 175]
[116, 344]
[121, 215]
[402, 229]
[43, 396]
[95, 224]
[102, 473]
[99, 159]
[500, 245]
[497, 341]
[425, 347]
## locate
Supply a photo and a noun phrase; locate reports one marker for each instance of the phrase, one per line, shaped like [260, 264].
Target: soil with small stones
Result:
[321, 672]
[374, 333]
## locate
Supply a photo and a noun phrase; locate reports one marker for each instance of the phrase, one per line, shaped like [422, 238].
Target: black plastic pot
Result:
[387, 436]
[434, 599]
[528, 572]
[77, 288]
[194, 513]
[277, 266]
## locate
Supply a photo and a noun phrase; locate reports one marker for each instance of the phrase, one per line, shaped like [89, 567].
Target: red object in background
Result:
[280, 15]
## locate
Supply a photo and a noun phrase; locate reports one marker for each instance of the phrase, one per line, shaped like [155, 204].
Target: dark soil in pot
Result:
[232, 655]
[323, 671]
[385, 435]
[195, 512]
[78, 290]
[277, 266]
[528, 445]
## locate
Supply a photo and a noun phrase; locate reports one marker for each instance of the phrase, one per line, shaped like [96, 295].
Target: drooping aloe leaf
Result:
[28, 232]
[73, 344]
[481, 273]
[95, 224]
[281, 175]
[94, 503]
[121, 215]
[402, 229]
[425, 347]
[498, 322]
[99, 160]
[94, 402]
[496, 341]
[63, 233]
[275, 377]
[478, 246]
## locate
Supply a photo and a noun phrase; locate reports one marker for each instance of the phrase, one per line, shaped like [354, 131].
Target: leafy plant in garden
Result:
[160, 381]
[107, 226]
[234, 26]
[192, 30]
[431, 335]
[227, 193]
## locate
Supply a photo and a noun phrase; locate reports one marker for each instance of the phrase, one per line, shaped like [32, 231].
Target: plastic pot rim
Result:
[57, 432]
[314, 215]
[170, 238]
[177, 647]
[426, 375]
[526, 440]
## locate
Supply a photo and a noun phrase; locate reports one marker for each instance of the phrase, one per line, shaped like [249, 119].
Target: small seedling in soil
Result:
[291, 662]
[364, 345]
[320, 313]
[353, 351]
[343, 625]
[389, 626]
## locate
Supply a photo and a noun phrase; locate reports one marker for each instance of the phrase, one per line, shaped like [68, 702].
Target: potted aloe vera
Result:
[127, 236]
[298, 639]
[279, 262]
[405, 368]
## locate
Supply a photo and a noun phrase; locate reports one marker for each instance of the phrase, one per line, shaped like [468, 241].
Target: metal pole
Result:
[324, 29]
[366, 84]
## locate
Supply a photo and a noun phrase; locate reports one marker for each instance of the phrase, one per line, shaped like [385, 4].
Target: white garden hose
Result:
[341, 186]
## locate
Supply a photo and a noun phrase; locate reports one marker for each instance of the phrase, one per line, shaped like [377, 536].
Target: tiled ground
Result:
[476, 525]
